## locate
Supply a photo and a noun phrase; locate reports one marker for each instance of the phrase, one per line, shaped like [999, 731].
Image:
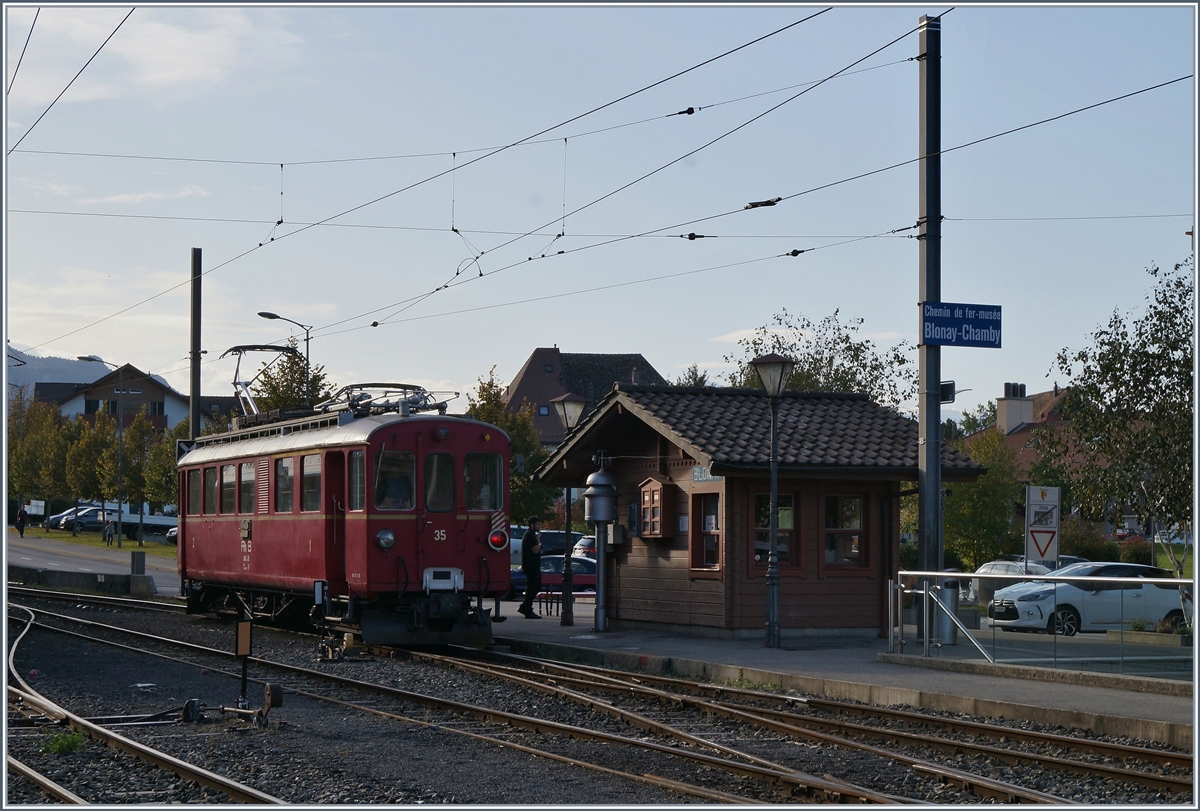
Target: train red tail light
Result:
[498, 540]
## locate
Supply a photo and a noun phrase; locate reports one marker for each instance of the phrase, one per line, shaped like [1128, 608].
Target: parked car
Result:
[1053, 606]
[88, 519]
[554, 541]
[585, 547]
[981, 589]
[53, 521]
[173, 535]
[583, 576]
[1063, 560]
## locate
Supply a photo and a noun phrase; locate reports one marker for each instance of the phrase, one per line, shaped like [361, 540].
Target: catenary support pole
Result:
[929, 475]
[194, 394]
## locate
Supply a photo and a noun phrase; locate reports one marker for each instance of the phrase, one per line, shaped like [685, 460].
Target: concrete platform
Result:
[860, 669]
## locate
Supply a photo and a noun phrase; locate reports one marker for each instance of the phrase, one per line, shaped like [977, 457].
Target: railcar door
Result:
[439, 535]
[335, 503]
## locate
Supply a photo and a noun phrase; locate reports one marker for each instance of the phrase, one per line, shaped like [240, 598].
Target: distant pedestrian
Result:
[22, 521]
[531, 565]
[110, 532]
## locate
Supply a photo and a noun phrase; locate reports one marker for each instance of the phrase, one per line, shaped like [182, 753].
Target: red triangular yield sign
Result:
[1038, 535]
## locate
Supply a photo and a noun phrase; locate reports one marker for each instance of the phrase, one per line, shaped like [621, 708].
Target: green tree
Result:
[54, 458]
[280, 383]
[1126, 441]
[160, 472]
[32, 429]
[139, 437]
[980, 417]
[978, 517]
[830, 357]
[692, 377]
[85, 478]
[487, 405]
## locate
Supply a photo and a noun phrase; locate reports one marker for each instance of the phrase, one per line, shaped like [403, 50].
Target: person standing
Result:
[22, 521]
[531, 565]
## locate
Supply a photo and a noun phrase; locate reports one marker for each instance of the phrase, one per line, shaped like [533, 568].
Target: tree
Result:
[980, 417]
[829, 357]
[487, 405]
[84, 475]
[280, 383]
[1126, 441]
[977, 517]
[692, 377]
[130, 462]
[32, 427]
[160, 471]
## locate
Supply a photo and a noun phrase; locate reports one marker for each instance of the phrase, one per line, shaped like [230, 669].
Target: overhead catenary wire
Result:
[439, 174]
[23, 47]
[76, 76]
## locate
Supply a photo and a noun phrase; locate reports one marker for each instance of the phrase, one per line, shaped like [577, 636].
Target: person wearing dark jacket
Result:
[22, 521]
[531, 565]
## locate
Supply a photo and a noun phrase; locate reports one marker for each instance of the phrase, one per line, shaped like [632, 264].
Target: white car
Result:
[980, 590]
[1051, 605]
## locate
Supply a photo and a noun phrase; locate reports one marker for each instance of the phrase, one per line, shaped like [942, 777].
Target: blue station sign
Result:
[947, 324]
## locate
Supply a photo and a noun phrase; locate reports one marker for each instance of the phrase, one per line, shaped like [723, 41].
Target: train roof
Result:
[316, 431]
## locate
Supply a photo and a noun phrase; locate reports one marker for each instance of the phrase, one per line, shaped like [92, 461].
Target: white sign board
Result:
[35, 507]
[1042, 514]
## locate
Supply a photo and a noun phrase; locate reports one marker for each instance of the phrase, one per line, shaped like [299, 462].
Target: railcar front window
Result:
[210, 491]
[439, 482]
[358, 480]
[482, 477]
[246, 488]
[310, 482]
[283, 484]
[395, 473]
[228, 488]
[193, 482]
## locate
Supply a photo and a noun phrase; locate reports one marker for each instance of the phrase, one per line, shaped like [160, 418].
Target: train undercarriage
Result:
[416, 619]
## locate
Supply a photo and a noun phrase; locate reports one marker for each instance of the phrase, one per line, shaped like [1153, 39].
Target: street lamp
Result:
[774, 371]
[307, 336]
[120, 433]
[569, 408]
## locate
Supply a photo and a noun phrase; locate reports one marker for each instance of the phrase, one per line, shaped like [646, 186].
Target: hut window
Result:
[762, 527]
[706, 531]
[843, 531]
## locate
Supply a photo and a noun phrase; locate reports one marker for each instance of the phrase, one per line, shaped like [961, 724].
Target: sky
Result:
[347, 165]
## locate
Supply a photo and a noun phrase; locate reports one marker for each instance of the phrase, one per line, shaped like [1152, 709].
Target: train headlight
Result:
[498, 540]
[386, 539]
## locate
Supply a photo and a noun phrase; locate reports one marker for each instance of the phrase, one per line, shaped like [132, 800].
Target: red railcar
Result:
[396, 521]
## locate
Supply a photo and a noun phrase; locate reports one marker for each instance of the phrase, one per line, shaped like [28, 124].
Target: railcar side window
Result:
[228, 488]
[210, 491]
[193, 482]
[284, 469]
[246, 488]
[358, 480]
[310, 482]
[439, 482]
[394, 480]
[482, 478]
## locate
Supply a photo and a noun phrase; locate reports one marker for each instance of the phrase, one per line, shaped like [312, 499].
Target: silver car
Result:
[982, 588]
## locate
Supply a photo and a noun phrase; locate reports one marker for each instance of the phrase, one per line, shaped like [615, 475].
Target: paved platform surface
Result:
[860, 668]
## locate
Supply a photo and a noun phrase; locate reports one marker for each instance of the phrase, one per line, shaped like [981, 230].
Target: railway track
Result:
[711, 725]
[24, 700]
[842, 733]
[482, 723]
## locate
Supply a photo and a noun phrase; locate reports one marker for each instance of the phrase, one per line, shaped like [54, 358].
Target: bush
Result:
[1084, 540]
[908, 556]
[1137, 550]
[64, 743]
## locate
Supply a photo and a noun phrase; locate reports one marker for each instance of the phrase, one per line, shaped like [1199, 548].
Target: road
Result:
[46, 553]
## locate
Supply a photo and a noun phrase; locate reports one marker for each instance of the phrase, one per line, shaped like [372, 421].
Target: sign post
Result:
[1042, 519]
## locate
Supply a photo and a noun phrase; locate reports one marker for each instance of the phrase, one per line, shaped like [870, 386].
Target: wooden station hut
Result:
[692, 465]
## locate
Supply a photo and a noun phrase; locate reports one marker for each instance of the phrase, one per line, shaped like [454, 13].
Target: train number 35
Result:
[439, 534]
